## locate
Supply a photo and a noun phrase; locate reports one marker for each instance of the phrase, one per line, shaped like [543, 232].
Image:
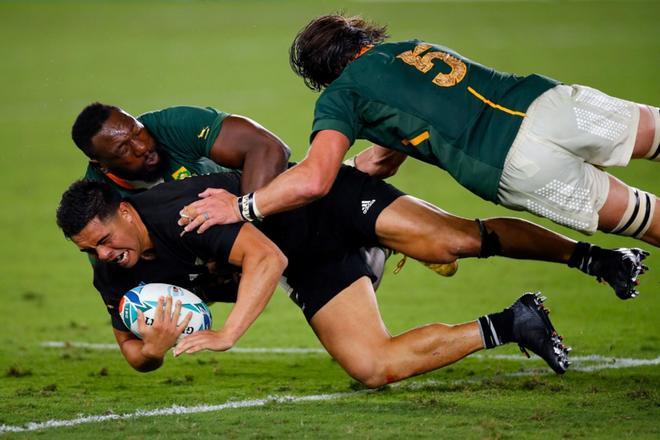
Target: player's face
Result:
[116, 240]
[126, 148]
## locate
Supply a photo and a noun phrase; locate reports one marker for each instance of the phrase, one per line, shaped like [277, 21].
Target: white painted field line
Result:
[580, 363]
[593, 362]
[172, 410]
[267, 350]
[603, 362]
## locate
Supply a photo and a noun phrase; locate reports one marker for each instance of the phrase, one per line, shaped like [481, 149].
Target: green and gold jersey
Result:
[433, 104]
[185, 136]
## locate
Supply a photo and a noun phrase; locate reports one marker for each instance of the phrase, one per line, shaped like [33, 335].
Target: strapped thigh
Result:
[638, 216]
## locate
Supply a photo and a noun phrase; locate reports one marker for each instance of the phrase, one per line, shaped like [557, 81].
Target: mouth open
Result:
[121, 259]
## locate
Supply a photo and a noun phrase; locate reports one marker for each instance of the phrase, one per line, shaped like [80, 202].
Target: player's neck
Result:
[363, 50]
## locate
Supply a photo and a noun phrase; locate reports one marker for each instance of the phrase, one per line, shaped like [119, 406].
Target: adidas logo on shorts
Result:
[366, 204]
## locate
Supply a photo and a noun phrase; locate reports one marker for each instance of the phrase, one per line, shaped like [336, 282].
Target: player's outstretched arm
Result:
[147, 354]
[311, 179]
[262, 263]
[378, 161]
[246, 145]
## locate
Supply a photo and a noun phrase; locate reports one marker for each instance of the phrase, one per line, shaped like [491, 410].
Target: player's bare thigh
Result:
[425, 232]
[351, 329]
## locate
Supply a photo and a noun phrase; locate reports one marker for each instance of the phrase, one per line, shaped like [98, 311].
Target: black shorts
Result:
[330, 255]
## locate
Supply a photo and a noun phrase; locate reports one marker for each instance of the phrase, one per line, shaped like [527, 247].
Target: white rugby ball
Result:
[145, 298]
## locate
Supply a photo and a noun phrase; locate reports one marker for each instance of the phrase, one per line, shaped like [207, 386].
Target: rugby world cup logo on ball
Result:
[145, 298]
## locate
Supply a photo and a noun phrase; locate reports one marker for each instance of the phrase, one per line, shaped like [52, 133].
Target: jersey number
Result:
[425, 63]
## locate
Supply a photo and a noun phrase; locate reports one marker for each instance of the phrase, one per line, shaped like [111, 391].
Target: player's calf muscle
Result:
[652, 236]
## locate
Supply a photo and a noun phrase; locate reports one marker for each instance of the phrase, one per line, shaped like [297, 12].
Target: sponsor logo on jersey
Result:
[205, 132]
[181, 173]
[366, 204]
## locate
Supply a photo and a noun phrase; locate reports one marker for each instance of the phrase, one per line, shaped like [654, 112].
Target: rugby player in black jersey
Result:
[316, 248]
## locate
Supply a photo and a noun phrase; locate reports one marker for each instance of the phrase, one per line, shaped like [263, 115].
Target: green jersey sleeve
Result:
[336, 110]
[185, 131]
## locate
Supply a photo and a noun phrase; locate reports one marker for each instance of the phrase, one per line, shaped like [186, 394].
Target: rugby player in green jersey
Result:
[528, 143]
[135, 154]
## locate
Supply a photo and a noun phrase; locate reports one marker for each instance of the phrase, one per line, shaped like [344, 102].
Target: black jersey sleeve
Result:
[215, 243]
[159, 210]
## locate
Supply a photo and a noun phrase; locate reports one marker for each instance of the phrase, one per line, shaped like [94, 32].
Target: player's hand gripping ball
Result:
[145, 298]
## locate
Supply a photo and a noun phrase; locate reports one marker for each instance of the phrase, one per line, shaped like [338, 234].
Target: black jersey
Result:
[323, 238]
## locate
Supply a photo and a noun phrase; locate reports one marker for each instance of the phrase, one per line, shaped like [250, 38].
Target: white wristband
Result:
[257, 213]
[350, 162]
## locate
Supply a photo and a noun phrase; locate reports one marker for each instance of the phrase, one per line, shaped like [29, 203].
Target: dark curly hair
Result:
[322, 50]
[88, 123]
[84, 200]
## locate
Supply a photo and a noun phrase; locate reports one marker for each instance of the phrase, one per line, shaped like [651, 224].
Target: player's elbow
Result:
[279, 260]
[315, 187]
[272, 258]
[314, 177]
[146, 366]
[276, 150]
[283, 150]
[144, 369]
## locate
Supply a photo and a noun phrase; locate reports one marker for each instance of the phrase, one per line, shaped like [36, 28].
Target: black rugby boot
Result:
[533, 331]
[620, 268]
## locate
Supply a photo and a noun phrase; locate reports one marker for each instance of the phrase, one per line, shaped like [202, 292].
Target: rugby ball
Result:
[145, 298]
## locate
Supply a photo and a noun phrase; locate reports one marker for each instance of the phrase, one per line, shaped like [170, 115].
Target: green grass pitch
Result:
[57, 56]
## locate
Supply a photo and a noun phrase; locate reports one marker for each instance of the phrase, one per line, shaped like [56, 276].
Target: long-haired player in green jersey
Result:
[526, 142]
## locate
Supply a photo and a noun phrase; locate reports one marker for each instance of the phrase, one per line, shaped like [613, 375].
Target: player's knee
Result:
[443, 255]
[447, 249]
[368, 370]
[375, 380]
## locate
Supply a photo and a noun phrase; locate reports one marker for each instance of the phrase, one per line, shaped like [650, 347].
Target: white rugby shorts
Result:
[552, 169]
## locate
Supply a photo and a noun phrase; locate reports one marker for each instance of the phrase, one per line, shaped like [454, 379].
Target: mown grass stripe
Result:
[112, 346]
[603, 363]
[579, 362]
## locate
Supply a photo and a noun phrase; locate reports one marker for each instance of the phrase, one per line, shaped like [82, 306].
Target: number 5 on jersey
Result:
[424, 63]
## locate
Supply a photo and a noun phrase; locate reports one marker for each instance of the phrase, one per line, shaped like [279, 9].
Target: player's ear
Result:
[125, 212]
